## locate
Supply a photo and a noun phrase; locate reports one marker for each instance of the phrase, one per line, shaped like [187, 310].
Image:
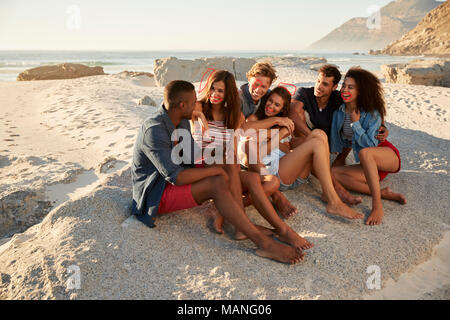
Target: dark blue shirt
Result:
[248, 107]
[152, 164]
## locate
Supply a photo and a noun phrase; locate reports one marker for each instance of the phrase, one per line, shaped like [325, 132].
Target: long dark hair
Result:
[371, 93]
[232, 100]
[285, 95]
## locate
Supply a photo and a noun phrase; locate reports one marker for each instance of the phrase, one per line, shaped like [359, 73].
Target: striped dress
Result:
[347, 132]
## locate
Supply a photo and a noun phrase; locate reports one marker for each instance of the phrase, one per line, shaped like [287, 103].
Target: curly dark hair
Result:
[371, 93]
[285, 95]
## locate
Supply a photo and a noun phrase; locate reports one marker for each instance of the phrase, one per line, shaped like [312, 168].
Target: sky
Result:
[178, 25]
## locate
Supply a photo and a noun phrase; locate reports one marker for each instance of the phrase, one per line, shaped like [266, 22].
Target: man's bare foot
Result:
[341, 209]
[217, 222]
[294, 239]
[280, 252]
[345, 196]
[375, 218]
[238, 235]
[283, 206]
[387, 193]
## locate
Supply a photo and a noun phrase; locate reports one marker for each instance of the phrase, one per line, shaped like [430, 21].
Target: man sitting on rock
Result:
[162, 183]
[313, 108]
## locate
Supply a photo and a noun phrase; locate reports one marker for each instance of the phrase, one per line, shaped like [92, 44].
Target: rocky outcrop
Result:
[421, 72]
[360, 34]
[21, 209]
[430, 37]
[147, 101]
[60, 71]
[135, 74]
[168, 69]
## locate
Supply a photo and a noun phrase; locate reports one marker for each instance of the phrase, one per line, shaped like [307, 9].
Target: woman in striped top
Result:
[220, 107]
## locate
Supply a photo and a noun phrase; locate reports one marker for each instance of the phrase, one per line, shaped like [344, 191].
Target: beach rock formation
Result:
[21, 209]
[430, 37]
[421, 72]
[135, 74]
[171, 68]
[375, 32]
[147, 101]
[60, 71]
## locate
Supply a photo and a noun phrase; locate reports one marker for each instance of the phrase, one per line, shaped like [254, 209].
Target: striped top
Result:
[347, 131]
[216, 139]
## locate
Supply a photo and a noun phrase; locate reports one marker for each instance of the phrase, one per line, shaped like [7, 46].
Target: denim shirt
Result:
[364, 131]
[248, 107]
[152, 165]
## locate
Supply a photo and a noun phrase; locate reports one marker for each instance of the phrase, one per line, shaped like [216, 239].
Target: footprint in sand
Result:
[129, 136]
[129, 146]
[111, 145]
[14, 135]
[96, 138]
[10, 140]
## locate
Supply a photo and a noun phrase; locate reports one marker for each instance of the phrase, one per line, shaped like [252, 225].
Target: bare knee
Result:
[271, 184]
[219, 183]
[319, 134]
[365, 154]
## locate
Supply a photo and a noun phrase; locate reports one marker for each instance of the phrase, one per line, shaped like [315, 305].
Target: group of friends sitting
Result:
[301, 131]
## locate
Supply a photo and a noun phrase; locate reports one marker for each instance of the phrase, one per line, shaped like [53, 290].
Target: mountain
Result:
[430, 37]
[375, 32]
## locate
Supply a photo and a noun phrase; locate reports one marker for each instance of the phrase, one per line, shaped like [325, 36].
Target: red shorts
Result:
[176, 198]
[387, 144]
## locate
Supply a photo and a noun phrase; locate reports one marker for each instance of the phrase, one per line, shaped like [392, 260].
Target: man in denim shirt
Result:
[161, 184]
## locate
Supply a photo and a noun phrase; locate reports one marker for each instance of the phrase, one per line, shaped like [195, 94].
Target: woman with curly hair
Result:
[355, 125]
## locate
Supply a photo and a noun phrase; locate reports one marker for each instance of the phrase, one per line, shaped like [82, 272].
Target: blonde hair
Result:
[264, 69]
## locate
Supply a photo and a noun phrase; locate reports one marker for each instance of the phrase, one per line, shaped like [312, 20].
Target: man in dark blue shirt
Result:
[162, 184]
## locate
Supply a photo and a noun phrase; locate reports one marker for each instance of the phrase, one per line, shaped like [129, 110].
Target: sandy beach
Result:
[68, 144]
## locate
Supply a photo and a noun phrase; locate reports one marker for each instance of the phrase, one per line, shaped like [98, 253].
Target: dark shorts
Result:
[176, 198]
[387, 144]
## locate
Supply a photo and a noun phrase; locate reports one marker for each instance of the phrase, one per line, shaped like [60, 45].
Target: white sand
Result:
[63, 138]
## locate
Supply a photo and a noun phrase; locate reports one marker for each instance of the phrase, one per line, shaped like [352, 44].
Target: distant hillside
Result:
[430, 37]
[397, 18]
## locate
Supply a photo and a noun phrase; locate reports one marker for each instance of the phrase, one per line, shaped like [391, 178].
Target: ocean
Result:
[14, 62]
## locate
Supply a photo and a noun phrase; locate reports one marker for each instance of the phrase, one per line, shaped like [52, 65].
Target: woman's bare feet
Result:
[376, 216]
[238, 235]
[283, 206]
[294, 239]
[387, 193]
[280, 252]
[341, 209]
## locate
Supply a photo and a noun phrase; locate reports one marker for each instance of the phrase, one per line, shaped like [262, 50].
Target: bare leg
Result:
[364, 178]
[218, 189]
[252, 182]
[315, 150]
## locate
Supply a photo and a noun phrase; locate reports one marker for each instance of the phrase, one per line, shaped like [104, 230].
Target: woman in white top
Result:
[294, 166]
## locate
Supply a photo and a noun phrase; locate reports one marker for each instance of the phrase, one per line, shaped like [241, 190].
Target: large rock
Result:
[422, 72]
[430, 37]
[171, 68]
[60, 71]
[396, 19]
